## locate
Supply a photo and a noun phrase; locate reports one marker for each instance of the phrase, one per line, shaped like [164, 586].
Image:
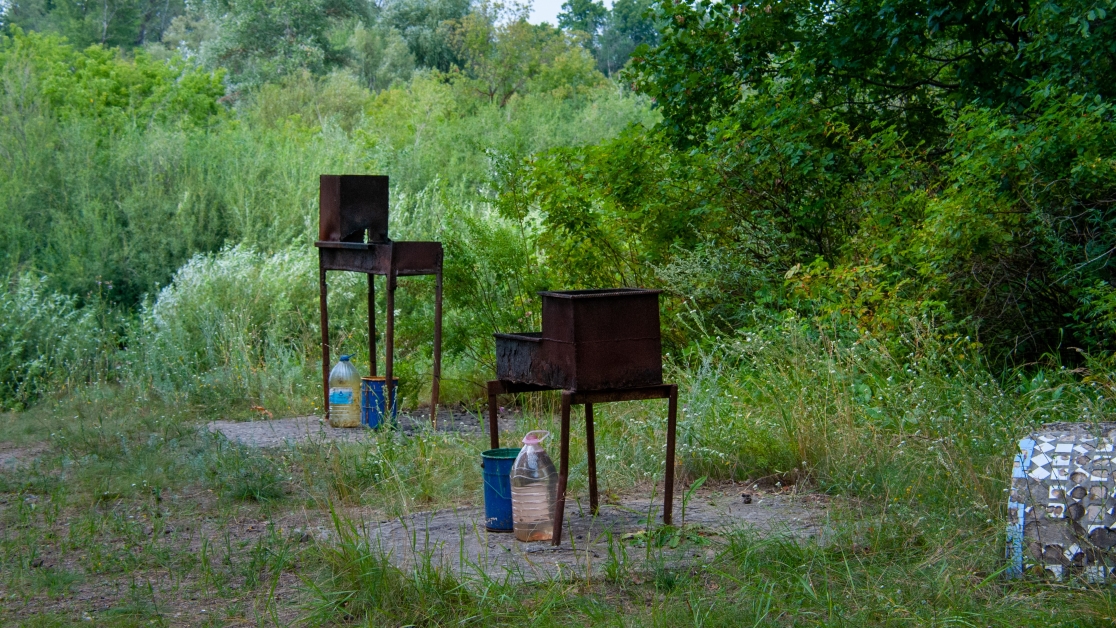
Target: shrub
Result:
[48, 341]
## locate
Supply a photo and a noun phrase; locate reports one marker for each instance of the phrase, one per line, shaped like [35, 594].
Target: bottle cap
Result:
[532, 439]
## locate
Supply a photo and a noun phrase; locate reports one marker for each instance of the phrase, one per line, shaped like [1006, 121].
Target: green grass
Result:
[130, 514]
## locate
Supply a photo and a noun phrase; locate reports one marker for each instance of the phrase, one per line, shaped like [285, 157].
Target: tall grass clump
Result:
[362, 583]
[48, 342]
[239, 473]
[238, 328]
[918, 419]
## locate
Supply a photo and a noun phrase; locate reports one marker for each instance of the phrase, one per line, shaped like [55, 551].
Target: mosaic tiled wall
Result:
[1062, 507]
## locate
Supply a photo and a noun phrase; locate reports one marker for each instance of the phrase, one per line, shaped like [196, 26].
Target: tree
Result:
[628, 26]
[502, 53]
[952, 159]
[423, 25]
[585, 16]
[116, 23]
[381, 56]
[898, 62]
[610, 35]
[261, 40]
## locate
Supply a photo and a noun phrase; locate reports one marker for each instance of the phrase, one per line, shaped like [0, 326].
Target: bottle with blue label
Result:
[344, 394]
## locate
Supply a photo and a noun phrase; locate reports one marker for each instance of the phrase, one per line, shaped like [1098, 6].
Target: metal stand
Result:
[392, 260]
[588, 398]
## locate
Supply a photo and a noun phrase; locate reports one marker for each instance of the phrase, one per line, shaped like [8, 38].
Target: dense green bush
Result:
[204, 226]
[751, 200]
[48, 344]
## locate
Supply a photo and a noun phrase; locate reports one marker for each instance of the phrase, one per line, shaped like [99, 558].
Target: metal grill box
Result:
[591, 340]
[351, 205]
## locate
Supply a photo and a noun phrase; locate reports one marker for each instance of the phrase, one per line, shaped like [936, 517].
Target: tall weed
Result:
[48, 343]
[918, 423]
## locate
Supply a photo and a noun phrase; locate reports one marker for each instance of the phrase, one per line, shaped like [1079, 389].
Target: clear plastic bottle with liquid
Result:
[534, 489]
[344, 394]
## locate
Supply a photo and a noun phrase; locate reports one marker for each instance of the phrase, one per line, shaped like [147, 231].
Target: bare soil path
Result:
[616, 541]
[314, 429]
[619, 538]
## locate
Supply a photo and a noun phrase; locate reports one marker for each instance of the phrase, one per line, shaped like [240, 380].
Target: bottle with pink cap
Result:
[534, 489]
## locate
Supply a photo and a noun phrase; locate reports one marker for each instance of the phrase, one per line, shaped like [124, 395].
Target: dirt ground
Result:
[313, 429]
[12, 456]
[191, 557]
[617, 538]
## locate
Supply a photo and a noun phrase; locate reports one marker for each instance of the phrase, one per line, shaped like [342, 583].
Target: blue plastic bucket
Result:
[372, 401]
[497, 464]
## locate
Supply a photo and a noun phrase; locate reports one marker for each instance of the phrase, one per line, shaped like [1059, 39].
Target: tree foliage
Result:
[123, 23]
[950, 160]
[611, 35]
[901, 62]
[422, 24]
[503, 55]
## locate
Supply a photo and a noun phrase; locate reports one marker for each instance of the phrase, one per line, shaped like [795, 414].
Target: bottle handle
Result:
[545, 435]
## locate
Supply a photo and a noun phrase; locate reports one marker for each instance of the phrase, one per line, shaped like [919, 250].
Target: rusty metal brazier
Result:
[596, 346]
[353, 236]
[591, 340]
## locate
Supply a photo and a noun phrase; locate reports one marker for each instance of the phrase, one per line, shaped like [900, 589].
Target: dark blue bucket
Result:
[497, 465]
[372, 401]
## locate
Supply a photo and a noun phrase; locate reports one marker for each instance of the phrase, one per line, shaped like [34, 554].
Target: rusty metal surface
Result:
[591, 340]
[417, 258]
[371, 259]
[405, 258]
[661, 391]
[600, 315]
[531, 359]
[353, 207]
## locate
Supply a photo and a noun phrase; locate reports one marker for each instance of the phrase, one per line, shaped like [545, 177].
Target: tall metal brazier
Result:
[353, 236]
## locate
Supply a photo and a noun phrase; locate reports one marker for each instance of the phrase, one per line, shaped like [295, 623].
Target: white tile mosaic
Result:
[1040, 473]
[1064, 503]
[1093, 513]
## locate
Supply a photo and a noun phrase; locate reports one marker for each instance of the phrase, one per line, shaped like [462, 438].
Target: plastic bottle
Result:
[344, 394]
[534, 489]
